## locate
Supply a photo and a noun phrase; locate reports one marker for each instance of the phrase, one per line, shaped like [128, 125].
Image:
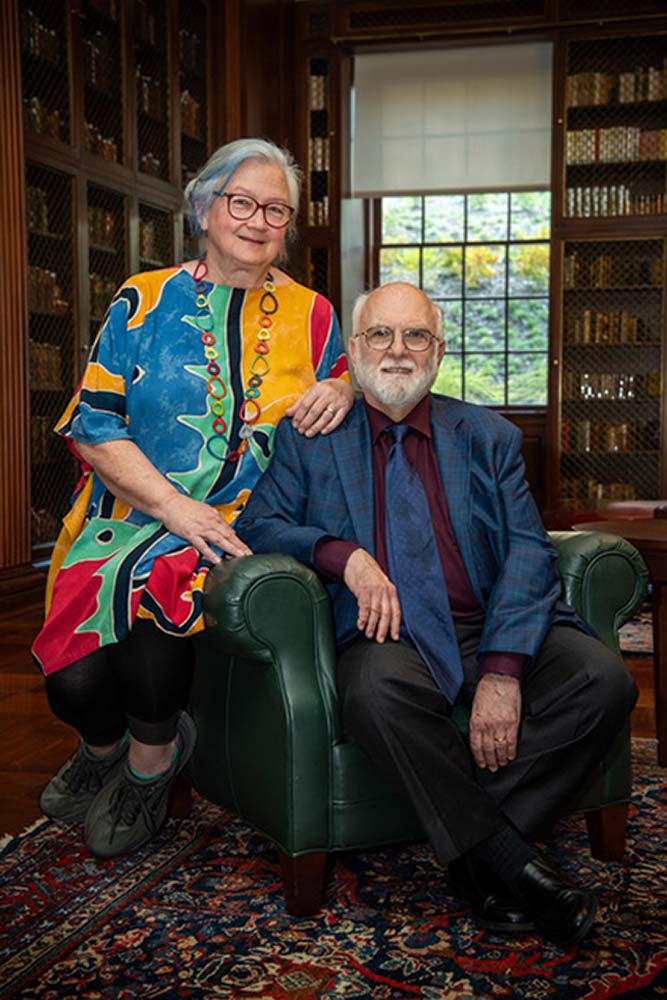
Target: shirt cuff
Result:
[510, 664]
[331, 555]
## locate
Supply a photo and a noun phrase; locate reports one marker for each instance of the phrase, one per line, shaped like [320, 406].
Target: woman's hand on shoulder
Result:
[322, 407]
[203, 526]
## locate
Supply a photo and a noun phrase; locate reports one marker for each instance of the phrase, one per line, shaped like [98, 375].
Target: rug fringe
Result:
[7, 838]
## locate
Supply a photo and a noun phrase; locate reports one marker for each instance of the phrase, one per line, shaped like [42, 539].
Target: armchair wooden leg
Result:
[180, 804]
[303, 882]
[606, 831]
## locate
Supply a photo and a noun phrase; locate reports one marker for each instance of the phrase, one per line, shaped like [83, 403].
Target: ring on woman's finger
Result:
[500, 739]
[331, 409]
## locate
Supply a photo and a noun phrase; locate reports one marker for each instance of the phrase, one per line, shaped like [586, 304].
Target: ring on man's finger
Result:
[500, 739]
[331, 409]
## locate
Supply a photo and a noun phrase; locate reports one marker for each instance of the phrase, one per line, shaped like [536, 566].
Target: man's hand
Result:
[494, 720]
[379, 610]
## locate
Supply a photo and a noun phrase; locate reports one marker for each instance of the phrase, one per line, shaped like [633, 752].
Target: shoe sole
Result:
[504, 928]
[583, 930]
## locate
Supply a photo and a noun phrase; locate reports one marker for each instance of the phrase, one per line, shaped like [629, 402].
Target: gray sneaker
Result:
[70, 792]
[129, 811]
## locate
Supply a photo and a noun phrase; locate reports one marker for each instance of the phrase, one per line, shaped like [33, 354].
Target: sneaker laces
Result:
[129, 800]
[85, 772]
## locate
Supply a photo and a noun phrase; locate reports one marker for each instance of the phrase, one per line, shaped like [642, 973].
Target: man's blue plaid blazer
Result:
[322, 487]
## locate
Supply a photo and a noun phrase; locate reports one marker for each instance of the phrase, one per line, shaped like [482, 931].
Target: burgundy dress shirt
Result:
[331, 554]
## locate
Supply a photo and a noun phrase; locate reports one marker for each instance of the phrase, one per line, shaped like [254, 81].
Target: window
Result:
[485, 259]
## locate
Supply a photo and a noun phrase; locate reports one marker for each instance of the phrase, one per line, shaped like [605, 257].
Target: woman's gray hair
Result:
[219, 168]
[360, 301]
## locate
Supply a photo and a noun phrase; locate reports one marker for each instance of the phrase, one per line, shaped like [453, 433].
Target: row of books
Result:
[99, 144]
[102, 227]
[619, 144]
[596, 386]
[37, 39]
[613, 327]
[601, 437]
[317, 98]
[318, 154]
[610, 271]
[44, 294]
[37, 203]
[609, 200]
[44, 365]
[39, 117]
[643, 83]
[191, 117]
[102, 290]
[318, 212]
[582, 488]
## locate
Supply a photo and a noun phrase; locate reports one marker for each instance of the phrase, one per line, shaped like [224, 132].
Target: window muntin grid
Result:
[485, 259]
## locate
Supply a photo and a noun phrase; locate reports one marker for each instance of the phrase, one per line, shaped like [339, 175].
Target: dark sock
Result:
[506, 853]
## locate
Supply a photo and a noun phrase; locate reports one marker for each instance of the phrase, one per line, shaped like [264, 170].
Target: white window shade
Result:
[465, 119]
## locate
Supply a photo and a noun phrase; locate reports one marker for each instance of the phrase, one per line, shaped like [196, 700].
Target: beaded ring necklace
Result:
[260, 367]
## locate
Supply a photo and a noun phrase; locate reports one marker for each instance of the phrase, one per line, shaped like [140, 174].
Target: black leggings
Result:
[140, 684]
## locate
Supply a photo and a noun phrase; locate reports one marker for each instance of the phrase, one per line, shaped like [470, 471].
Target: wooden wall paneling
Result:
[225, 69]
[663, 383]
[16, 572]
[266, 70]
[533, 426]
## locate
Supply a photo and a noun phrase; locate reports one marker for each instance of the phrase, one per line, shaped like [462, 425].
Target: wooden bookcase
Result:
[607, 426]
[115, 98]
[318, 133]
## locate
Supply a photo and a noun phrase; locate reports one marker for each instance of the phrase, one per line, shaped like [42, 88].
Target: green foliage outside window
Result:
[485, 259]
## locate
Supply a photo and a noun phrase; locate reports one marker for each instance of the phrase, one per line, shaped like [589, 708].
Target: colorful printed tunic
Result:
[146, 381]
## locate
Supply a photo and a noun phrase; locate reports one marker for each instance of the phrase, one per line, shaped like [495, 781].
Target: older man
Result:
[416, 513]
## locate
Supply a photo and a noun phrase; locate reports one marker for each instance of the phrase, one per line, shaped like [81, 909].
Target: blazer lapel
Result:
[453, 448]
[351, 444]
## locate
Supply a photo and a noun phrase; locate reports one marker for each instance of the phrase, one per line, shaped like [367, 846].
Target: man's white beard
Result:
[392, 389]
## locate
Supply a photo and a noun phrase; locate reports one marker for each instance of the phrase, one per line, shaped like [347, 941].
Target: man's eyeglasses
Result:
[243, 207]
[379, 338]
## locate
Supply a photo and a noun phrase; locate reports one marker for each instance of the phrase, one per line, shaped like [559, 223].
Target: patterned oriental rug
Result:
[636, 636]
[200, 916]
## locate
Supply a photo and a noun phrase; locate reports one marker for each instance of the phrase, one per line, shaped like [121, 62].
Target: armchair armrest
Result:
[604, 579]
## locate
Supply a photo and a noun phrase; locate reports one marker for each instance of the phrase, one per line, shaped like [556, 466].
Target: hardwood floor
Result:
[33, 743]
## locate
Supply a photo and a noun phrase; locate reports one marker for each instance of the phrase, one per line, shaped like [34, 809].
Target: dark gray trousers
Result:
[576, 694]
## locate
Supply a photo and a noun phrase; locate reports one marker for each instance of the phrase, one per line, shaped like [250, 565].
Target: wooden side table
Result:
[649, 536]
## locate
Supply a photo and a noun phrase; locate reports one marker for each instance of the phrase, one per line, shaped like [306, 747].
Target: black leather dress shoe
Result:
[562, 912]
[493, 904]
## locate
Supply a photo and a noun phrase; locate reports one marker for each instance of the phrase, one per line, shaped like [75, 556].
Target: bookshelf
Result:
[52, 359]
[611, 371]
[155, 238]
[102, 25]
[114, 108]
[318, 153]
[616, 127]
[152, 49]
[319, 160]
[44, 69]
[609, 274]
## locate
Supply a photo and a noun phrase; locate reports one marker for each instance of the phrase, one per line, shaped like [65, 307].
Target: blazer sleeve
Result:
[526, 588]
[275, 518]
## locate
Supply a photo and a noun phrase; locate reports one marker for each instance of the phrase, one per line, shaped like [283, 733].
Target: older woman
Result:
[174, 420]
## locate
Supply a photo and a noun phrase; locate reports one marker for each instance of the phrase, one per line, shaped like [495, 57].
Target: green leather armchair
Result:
[270, 741]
